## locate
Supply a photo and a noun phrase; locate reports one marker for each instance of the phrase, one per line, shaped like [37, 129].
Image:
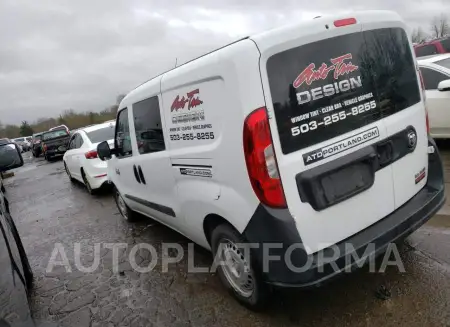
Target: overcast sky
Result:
[79, 54]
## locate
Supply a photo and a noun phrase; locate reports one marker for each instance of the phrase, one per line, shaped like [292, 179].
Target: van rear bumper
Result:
[269, 226]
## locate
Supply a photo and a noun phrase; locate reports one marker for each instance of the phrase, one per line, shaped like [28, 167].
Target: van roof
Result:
[284, 32]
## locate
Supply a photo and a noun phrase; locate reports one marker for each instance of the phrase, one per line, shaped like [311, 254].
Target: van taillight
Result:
[261, 161]
[344, 22]
[91, 154]
[422, 85]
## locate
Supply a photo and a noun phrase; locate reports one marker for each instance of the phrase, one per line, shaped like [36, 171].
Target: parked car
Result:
[19, 146]
[81, 161]
[441, 45]
[36, 147]
[16, 276]
[436, 78]
[26, 146]
[319, 141]
[4, 141]
[54, 143]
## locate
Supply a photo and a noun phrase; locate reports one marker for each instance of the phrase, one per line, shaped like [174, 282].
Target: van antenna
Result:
[176, 60]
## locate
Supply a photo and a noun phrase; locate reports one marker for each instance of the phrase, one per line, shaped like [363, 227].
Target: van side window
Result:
[122, 139]
[147, 123]
[432, 78]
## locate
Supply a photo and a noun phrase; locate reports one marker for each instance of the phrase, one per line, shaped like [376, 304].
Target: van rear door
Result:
[329, 88]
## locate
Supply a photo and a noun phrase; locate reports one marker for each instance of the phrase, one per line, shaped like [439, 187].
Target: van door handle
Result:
[141, 175]
[136, 175]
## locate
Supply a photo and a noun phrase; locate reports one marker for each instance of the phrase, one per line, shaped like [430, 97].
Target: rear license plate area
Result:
[338, 180]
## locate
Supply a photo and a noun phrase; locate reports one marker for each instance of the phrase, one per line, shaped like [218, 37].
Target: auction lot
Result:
[49, 209]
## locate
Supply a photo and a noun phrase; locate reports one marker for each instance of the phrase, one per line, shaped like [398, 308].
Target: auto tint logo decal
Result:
[339, 66]
[340, 146]
[192, 99]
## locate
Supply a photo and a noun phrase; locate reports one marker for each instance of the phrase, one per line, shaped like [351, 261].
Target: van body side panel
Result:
[205, 104]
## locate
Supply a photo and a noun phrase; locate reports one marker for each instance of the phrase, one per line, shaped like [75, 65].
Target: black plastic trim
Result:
[278, 226]
[311, 183]
[159, 207]
[200, 166]
[136, 174]
[141, 175]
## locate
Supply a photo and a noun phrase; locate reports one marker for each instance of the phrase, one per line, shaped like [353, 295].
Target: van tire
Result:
[128, 214]
[258, 299]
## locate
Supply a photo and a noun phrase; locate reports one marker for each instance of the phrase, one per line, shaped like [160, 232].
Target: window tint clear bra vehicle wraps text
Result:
[330, 87]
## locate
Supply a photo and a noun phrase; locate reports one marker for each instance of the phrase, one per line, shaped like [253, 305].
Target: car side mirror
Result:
[103, 151]
[10, 157]
[444, 85]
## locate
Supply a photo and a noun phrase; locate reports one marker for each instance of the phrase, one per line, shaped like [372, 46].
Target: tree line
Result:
[69, 117]
[439, 27]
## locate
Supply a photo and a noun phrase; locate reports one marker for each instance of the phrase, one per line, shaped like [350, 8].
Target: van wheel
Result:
[124, 210]
[237, 274]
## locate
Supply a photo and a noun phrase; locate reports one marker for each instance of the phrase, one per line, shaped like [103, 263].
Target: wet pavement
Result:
[49, 209]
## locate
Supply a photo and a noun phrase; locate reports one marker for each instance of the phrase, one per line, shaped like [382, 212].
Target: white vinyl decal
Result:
[342, 145]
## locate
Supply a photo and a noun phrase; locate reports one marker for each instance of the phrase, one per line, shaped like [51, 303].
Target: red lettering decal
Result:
[178, 104]
[309, 74]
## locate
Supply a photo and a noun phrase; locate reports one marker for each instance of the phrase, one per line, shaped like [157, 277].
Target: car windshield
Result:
[54, 134]
[21, 139]
[444, 63]
[4, 141]
[102, 134]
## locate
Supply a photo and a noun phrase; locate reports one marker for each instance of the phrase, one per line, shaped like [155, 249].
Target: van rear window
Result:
[333, 86]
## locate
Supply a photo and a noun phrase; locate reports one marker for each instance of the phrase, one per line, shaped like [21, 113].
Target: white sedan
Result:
[81, 161]
[436, 78]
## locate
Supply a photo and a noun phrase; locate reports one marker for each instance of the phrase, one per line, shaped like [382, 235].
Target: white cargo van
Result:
[313, 134]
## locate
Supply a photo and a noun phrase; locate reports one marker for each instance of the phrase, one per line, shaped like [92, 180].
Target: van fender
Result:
[203, 203]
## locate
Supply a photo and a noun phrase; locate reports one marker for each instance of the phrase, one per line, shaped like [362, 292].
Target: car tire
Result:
[128, 214]
[255, 293]
[86, 183]
[68, 173]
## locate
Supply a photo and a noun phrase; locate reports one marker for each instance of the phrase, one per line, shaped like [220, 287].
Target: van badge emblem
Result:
[412, 139]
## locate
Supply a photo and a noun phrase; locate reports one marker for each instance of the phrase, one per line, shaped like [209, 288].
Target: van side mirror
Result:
[103, 151]
[444, 85]
[10, 157]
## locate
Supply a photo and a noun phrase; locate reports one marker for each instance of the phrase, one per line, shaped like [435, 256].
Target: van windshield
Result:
[330, 87]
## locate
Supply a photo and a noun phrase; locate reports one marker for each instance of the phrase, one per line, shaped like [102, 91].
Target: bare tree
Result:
[440, 26]
[418, 35]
